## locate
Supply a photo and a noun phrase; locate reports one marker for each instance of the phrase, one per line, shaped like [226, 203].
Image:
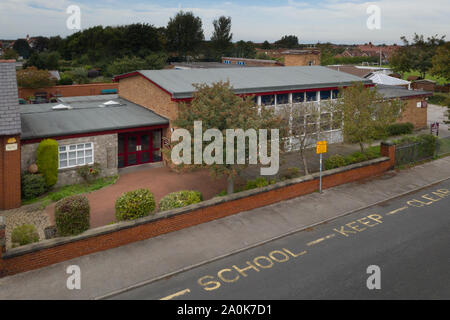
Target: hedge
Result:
[337, 160]
[135, 204]
[47, 160]
[397, 129]
[180, 199]
[72, 215]
[24, 234]
[32, 186]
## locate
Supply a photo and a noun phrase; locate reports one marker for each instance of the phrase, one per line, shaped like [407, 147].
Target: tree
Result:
[221, 38]
[288, 42]
[365, 113]
[244, 49]
[441, 62]
[41, 43]
[22, 47]
[184, 33]
[266, 45]
[416, 55]
[218, 107]
[44, 60]
[33, 78]
[9, 54]
[80, 75]
[305, 123]
[128, 64]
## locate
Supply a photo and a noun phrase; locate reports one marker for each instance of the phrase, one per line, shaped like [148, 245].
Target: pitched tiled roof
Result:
[9, 101]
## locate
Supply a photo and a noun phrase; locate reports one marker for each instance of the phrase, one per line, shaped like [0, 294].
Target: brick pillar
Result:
[10, 193]
[387, 149]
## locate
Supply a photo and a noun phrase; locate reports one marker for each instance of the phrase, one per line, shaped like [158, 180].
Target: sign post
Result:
[321, 148]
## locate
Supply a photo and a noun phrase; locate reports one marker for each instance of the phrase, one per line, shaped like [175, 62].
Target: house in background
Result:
[244, 62]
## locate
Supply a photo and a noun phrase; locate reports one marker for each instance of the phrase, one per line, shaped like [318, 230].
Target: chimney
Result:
[10, 128]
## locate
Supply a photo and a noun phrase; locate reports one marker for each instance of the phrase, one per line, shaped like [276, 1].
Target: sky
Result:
[337, 21]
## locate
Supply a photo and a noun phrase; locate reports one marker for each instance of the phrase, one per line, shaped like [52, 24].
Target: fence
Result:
[418, 151]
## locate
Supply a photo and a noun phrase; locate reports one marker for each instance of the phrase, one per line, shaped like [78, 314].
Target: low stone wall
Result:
[105, 153]
[48, 252]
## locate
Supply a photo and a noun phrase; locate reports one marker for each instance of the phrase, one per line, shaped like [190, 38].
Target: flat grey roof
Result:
[179, 83]
[399, 92]
[205, 65]
[88, 116]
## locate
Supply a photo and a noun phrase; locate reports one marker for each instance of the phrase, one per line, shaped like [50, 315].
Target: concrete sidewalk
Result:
[115, 269]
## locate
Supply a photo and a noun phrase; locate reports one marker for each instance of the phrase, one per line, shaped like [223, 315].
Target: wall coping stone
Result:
[45, 244]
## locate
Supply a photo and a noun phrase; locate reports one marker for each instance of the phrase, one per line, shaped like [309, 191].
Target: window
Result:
[311, 96]
[268, 100]
[325, 121]
[335, 94]
[242, 63]
[325, 95]
[227, 61]
[76, 155]
[298, 97]
[283, 98]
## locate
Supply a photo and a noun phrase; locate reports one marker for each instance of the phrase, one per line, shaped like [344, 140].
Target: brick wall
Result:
[301, 59]
[417, 116]
[10, 196]
[105, 154]
[75, 90]
[23, 259]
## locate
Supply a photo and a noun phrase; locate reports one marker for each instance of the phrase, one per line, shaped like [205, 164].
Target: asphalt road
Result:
[407, 238]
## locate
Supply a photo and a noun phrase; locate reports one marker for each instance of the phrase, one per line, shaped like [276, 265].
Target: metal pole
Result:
[320, 183]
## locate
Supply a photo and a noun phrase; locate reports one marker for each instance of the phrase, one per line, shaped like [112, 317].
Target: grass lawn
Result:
[70, 190]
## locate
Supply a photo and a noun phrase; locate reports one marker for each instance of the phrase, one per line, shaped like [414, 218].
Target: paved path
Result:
[122, 267]
[408, 241]
[160, 181]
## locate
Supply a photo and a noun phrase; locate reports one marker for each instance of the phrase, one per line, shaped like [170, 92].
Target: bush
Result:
[65, 80]
[32, 186]
[291, 173]
[257, 183]
[89, 172]
[180, 199]
[47, 160]
[335, 161]
[24, 234]
[397, 129]
[135, 204]
[72, 215]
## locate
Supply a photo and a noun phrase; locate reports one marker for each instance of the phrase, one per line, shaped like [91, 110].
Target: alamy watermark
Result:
[213, 153]
[374, 20]
[73, 22]
[374, 280]
[74, 280]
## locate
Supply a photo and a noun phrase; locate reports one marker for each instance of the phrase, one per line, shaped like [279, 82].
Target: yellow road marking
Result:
[320, 240]
[177, 294]
[397, 210]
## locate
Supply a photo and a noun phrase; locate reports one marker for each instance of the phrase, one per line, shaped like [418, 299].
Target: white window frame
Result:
[75, 147]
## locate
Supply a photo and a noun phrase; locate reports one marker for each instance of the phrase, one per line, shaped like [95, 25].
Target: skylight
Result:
[61, 107]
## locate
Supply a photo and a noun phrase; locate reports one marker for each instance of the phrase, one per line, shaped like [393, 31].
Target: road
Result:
[407, 238]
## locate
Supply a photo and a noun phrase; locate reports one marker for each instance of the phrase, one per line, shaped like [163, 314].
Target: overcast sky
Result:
[257, 20]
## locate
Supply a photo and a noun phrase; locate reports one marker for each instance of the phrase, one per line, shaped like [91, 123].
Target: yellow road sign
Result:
[321, 147]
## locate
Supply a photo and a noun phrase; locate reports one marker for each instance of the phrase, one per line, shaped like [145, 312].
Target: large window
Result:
[311, 96]
[268, 100]
[75, 155]
[283, 98]
[325, 95]
[298, 97]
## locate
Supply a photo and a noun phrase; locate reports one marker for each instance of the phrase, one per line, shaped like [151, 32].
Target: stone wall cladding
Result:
[61, 249]
[105, 153]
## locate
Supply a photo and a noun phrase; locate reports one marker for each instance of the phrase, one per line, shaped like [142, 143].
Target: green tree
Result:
[365, 113]
[44, 60]
[41, 43]
[22, 47]
[288, 42]
[441, 61]
[79, 75]
[221, 38]
[9, 54]
[244, 49]
[218, 107]
[184, 33]
[266, 45]
[129, 64]
[47, 160]
[33, 78]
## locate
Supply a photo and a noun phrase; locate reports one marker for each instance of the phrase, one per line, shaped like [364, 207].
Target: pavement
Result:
[112, 271]
[405, 239]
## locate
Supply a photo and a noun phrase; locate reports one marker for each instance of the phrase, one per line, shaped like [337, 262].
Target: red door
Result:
[139, 148]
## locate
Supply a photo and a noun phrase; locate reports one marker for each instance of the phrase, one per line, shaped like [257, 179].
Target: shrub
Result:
[89, 172]
[72, 215]
[355, 158]
[47, 160]
[24, 234]
[397, 129]
[135, 204]
[257, 183]
[335, 161]
[33, 185]
[291, 173]
[65, 80]
[180, 199]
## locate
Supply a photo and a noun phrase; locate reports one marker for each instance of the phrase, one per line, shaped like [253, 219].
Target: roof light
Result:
[61, 107]
[110, 102]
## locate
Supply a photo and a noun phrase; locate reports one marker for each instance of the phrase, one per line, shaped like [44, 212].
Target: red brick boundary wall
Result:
[74, 90]
[57, 250]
